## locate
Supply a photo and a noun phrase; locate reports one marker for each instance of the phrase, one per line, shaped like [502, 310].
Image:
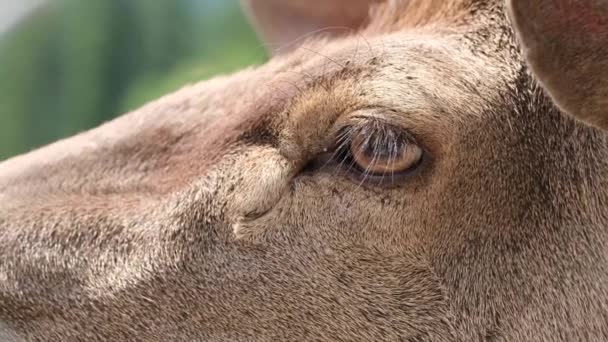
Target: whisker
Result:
[367, 168]
[342, 142]
[288, 45]
[369, 45]
[392, 159]
[311, 78]
[322, 55]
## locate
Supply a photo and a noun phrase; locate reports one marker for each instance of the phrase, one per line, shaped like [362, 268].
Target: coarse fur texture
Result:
[224, 212]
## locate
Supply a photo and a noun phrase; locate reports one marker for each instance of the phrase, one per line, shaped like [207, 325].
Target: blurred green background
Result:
[72, 64]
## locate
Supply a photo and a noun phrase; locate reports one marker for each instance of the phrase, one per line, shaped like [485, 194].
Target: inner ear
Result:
[280, 23]
[566, 45]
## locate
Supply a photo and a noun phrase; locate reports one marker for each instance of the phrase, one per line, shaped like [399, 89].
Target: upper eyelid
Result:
[337, 132]
[388, 116]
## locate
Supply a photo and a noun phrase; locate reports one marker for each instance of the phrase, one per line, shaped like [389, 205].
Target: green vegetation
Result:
[75, 63]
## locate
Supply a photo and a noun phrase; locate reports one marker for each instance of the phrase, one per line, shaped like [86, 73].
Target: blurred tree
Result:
[75, 64]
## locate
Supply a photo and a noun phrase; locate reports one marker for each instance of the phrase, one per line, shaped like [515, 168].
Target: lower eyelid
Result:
[390, 179]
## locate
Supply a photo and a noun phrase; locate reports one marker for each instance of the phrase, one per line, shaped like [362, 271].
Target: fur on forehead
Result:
[393, 15]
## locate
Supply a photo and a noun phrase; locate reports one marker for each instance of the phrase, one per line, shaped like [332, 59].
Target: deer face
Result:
[404, 179]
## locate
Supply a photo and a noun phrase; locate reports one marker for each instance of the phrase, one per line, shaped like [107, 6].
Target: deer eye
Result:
[387, 152]
[371, 152]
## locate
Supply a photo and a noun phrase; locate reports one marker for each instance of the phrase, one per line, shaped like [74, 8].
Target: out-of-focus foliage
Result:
[77, 63]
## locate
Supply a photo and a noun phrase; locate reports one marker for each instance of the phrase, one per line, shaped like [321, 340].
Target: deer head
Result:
[395, 173]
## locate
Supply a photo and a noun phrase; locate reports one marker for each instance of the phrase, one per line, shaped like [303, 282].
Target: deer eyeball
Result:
[384, 153]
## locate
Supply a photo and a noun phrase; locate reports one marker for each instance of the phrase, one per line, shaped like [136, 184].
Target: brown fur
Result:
[204, 217]
[565, 43]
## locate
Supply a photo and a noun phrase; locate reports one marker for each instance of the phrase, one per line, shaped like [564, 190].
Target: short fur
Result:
[565, 43]
[201, 216]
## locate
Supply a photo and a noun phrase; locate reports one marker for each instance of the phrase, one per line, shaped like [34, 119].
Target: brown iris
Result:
[383, 152]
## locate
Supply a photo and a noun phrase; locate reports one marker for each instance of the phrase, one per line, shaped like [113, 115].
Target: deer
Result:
[399, 170]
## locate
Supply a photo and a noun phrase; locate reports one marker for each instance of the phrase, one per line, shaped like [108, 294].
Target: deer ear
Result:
[566, 45]
[281, 22]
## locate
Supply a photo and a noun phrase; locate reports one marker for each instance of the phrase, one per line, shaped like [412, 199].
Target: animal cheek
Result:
[264, 177]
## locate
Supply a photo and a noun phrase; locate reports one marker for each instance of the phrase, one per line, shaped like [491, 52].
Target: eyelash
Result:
[386, 140]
